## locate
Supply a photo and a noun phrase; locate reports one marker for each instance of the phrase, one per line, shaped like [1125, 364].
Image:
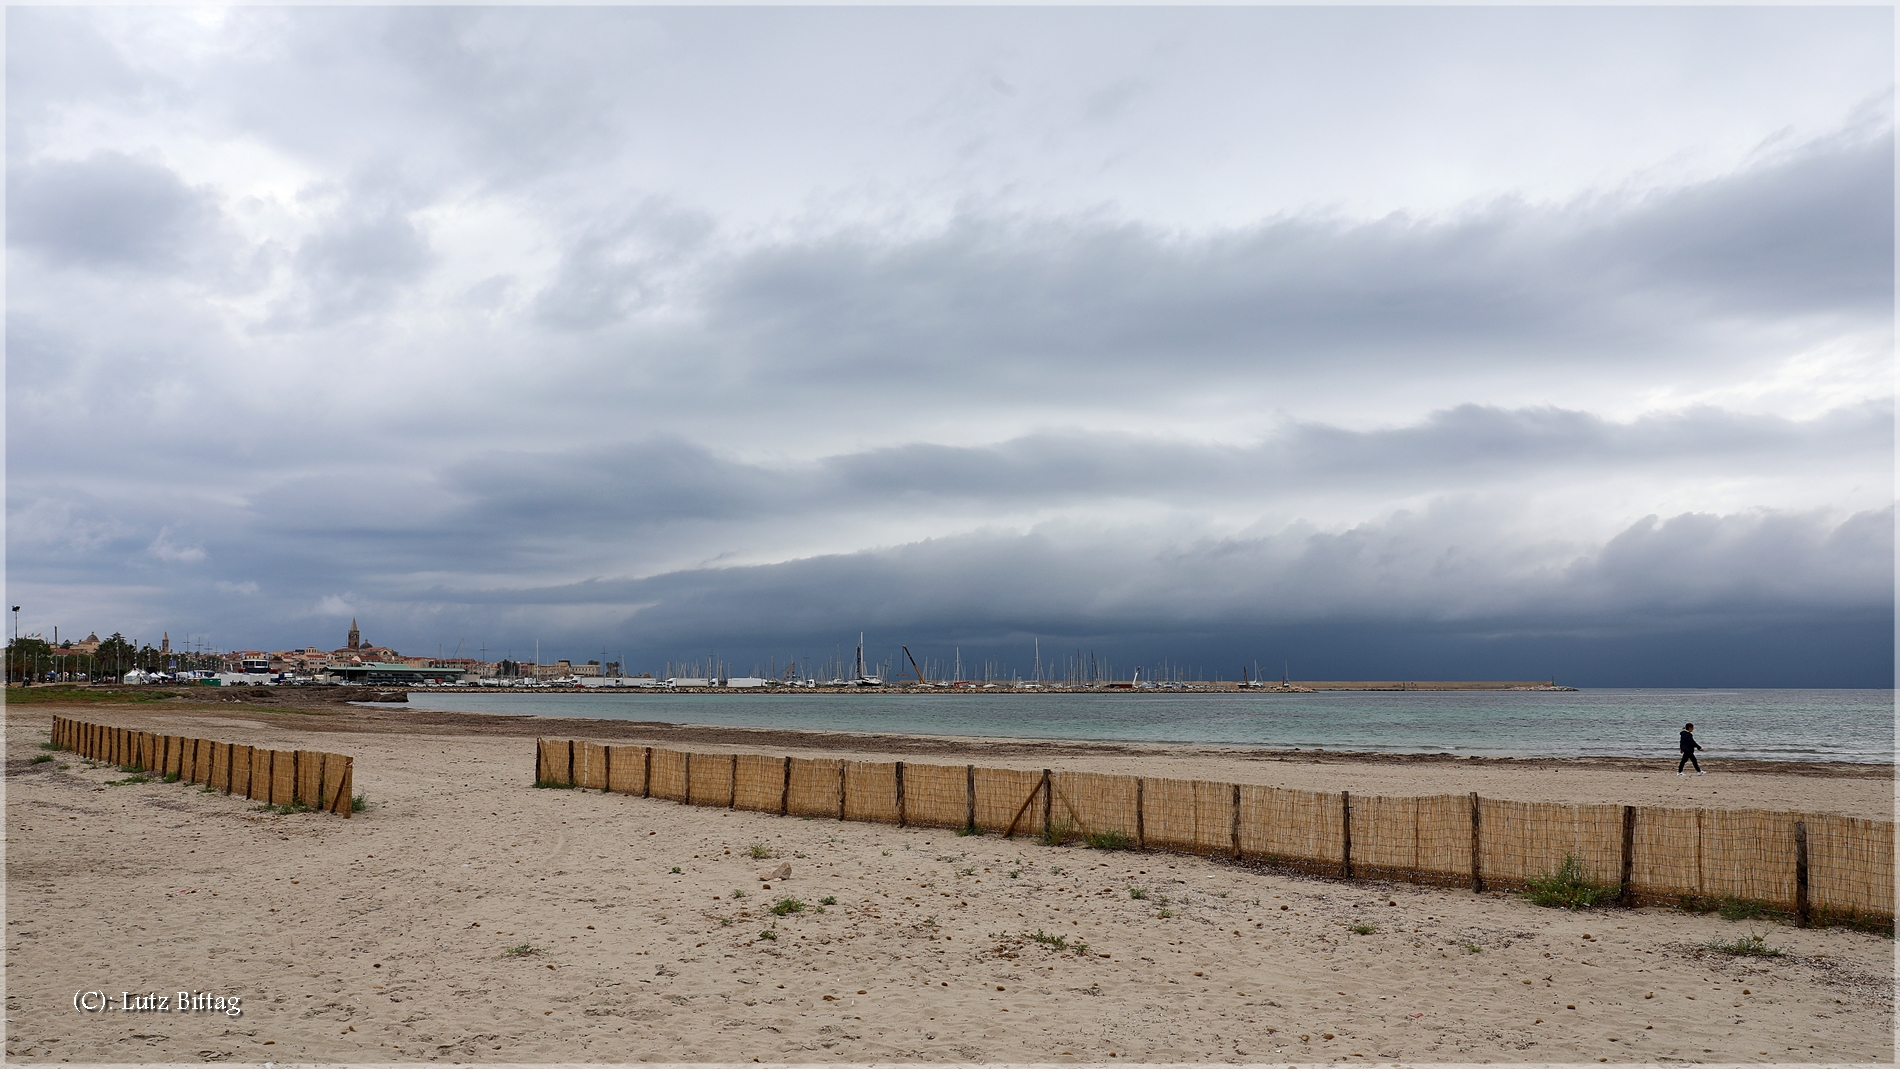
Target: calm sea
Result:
[1776, 725]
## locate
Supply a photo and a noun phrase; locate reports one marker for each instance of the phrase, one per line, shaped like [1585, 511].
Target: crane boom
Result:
[913, 666]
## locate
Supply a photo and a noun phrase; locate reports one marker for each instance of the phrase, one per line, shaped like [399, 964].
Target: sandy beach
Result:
[469, 917]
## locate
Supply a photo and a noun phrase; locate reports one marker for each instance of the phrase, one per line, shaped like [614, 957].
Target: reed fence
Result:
[1800, 862]
[277, 777]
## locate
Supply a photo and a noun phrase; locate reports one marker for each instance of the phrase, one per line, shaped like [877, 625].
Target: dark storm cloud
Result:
[105, 212]
[597, 492]
[1608, 280]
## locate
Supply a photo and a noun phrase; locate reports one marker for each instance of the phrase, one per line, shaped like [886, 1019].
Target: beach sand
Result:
[388, 936]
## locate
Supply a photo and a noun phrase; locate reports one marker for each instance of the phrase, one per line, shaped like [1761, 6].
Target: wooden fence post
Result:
[732, 785]
[1048, 803]
[607, 769]
[1141, 818]
[1801, 917]
[842, 767]
[540, 761]
[646, 777]
[1236, 820]
[900, 794]
[1477, 848]
[686, 791]
[785, 792]
[571, 778]
[1345, 823]
[969, 783]
[1626, 895]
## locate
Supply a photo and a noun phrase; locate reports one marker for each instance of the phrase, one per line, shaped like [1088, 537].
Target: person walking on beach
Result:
[1689, 747]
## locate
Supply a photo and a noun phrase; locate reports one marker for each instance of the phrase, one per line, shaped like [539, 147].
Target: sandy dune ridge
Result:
[387, 937]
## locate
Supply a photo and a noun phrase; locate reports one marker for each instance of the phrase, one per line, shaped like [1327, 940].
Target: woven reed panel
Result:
[1289, 825]
[1667, 852]
[870, 791]
[283, 777]
[1522, 840]
[814, 787]
[149, 755]
[1850, 864]
[220, 766]
[258, 789]
[1095, 803]
[336, 784]
[174, 755]
[627, 769]
[590, 765]
[1748, 853]
[760, 783]
[936, 796]
[1192, 815]
[669, 774]
[712, 779]
[241, 770]
[1444, 838]
[1000, 794]
[309, 776]
[1385, 835]
[554, 761]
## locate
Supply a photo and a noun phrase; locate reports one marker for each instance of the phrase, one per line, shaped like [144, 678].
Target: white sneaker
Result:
[1701, 773]
[1682, 773]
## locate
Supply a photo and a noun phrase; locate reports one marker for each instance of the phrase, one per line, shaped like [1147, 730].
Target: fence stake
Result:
[607, 768]
[1236, 820]
[969, 774]
[569, 778]
[686, 792]
[1048, 803]
[785, 792]
[1477, 849]
[732, 791]
[646, 775]
[1345, 822]
[900, 794]
[842, 766]
[1626, 895]
[1141, 820]
[540, 761]
[1801, 874]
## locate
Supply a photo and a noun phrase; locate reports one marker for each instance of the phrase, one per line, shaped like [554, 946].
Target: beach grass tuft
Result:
[521, 950]
[1362, 929]
[41, 759]
[787, 905]
[552, 785]
[1569, 888]
[1752, 945]
[759, 851]
[1138, 892]
[1057, 833]
[828, 900]
[172, 777]
[969, 829]
[1109, 840]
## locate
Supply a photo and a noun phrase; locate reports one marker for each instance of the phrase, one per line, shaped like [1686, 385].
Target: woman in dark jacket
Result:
[1689, 747]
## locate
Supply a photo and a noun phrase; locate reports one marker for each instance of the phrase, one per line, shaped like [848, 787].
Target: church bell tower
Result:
[356, 637]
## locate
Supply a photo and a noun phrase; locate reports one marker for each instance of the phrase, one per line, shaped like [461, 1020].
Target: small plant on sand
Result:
[1752, 945]
[1164, 914]
[759, 851]
[131, 770]
[1138, 892]
[126, 780]
[969, 829]
[1109, 840]
[359, 803]
[1081, 949]
[725, 922]
[769, 933]
[1057, 833]
[170, 777]
[41, 759]
[62, 768]
[1473, 948]
[828, 900]
[787, 905]
[54, 746]
[738, 894]
[967, 870]
[1015, 873]
[1057, 941]
[521, 951]
[552, 785]
[675, 870]
[930, 921]
[1569, 888]
[1362, 929]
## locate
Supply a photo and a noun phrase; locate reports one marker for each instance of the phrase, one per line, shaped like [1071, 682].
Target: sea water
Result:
[1775, 725]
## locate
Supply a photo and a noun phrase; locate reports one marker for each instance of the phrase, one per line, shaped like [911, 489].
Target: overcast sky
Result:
[1388, 343]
